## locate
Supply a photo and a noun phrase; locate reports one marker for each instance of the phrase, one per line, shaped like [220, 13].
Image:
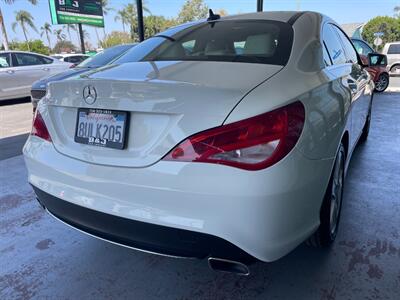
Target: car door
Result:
[27, 69]
[7, 82]
[361, 78]
[340, 71]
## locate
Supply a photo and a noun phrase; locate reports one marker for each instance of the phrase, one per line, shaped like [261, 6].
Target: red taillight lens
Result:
[39, 127]
[252, 144]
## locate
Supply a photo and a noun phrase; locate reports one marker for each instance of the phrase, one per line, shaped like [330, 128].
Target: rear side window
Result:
[334, 46]
[75, 59]
[24, 59]
[5, 60]
[351, 53]
[394, 49]
[251, 41]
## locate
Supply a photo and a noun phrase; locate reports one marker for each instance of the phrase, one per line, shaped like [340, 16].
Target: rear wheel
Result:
[332, 205]
[395, 69]
[365, 131]
[382, 83]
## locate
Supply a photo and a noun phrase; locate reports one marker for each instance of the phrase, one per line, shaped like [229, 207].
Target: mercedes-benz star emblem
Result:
[89, 94]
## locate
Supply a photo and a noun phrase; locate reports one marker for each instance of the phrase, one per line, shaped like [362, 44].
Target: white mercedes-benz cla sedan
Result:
[227, 139]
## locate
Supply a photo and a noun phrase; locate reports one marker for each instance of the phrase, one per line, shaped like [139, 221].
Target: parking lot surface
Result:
[42, 258]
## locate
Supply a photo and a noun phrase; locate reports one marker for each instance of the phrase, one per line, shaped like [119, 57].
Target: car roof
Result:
[27, 52]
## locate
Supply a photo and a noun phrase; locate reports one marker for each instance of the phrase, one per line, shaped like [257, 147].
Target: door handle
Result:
[10, 71]
[46, 69]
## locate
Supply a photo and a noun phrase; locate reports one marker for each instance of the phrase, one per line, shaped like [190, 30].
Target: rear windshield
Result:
[255, 41]
[105, 57]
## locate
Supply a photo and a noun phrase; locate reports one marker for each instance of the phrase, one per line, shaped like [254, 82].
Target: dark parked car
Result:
[378, 71]
[38, 89]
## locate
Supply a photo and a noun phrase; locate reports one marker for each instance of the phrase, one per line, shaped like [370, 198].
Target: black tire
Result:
[329, 220]
[365, 131]
[394, 68]
[382, 83]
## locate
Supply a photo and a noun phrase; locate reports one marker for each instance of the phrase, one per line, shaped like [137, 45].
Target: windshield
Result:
[252, 41]
[104, 57]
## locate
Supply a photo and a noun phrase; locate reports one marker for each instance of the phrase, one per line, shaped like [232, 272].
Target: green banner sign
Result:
[87, 12]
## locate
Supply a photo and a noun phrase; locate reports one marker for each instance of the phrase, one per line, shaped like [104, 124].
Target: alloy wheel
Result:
[336, 194]
[382, 83]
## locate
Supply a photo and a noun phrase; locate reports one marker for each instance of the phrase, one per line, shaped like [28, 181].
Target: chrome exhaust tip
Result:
[230, 266]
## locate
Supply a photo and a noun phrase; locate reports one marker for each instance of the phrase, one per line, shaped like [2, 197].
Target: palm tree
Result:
[24, 19]
[131, 17]
[106, 9]
[3, 27]
[121, 16]
[70, 27]
[59, 34]
[46, 29]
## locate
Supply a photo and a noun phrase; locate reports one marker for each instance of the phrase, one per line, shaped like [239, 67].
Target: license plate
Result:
[101, 127]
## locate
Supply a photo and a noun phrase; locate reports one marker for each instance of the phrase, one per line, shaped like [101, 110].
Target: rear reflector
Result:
[39, 128]
[251, 144]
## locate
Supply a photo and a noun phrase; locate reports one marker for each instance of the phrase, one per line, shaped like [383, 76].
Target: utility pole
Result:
[260, 4]
[81, 38]
[139, 7]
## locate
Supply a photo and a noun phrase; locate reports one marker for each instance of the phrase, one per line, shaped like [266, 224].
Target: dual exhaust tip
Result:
[230, 266]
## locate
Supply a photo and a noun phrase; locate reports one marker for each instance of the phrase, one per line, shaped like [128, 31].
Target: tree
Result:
[64, 46]
[116, 38]
[121, 16]
[192, 10]
[70, 27]
[106, 9]
[156, 24]
[46, 29]
[388, 25]
[397, 12]
[24, 19]
[3, 27]
[131, 17]
[59, 35]
[36, 46]
[222, 12]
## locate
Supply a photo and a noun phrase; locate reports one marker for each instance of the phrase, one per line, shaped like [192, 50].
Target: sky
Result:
[342, 11]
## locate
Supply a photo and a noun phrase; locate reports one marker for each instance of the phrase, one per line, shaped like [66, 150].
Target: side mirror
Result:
[377, 60]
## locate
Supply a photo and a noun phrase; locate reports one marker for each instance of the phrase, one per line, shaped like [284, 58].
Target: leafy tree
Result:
[46, 29]
[388, 25]
[64, 46]
[156, 24]
[3, 27]
[116, 38]
[24, 19]
[36, 46]
[192, 10]
[59, 34]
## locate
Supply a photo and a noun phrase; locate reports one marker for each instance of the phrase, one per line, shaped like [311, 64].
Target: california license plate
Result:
[101, 127]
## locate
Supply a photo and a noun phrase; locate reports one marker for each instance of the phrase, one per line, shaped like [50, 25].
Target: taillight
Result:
[251, 144]
[39, 128]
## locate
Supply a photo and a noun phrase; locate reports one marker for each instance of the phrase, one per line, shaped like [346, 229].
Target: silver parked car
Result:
[19, 69]
[392, 51]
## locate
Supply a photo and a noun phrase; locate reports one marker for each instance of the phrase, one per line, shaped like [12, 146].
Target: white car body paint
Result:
[266, 213]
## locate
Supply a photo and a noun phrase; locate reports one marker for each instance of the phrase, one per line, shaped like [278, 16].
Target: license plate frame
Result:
[100, 142]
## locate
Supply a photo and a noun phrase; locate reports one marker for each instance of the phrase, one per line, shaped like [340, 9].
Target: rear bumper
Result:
[264, 214]
[140, 235]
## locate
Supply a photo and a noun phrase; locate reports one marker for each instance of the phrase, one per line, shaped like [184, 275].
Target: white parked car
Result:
[73, 58]
[18, 70]
[226, 139]
[392, 51]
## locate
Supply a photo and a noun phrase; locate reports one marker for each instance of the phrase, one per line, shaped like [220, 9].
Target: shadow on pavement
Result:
[12, 146]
